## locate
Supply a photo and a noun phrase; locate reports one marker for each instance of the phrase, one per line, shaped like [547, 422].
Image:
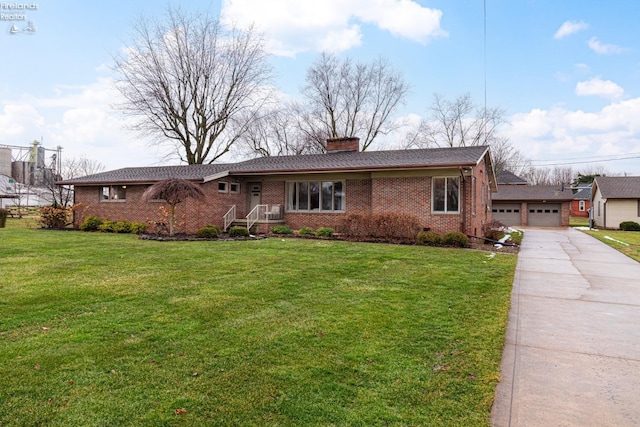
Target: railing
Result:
[229, 217]
[255, 215]
[264, 213]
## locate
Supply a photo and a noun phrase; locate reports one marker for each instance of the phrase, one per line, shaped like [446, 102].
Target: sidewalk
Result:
[572, 354]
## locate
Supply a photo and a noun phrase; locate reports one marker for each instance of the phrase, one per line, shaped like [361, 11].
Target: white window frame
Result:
[433, 185]
[112, 196]
[290, 208]
[581, 205]
[237, 185]
[225, 184]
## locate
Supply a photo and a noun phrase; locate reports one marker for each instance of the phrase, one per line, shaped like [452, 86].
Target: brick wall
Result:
[575, 209]
[190, 215]
[403, 194]
[358, 201]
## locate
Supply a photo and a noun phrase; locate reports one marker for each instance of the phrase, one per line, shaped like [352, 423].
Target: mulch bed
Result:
[476, 244]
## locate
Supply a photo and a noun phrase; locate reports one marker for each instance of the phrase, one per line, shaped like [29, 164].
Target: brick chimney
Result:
[350, 143]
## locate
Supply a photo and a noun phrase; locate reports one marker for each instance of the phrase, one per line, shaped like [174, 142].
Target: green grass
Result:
[576, 221]
[631, 238]
[103, 329]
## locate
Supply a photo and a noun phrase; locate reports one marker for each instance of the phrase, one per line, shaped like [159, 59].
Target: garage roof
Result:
[533, 193]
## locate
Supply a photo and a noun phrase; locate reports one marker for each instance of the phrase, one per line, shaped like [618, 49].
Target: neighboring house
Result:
[581, 203]
[509, 178]
[533, 205]
[447, 189]
[615, 199]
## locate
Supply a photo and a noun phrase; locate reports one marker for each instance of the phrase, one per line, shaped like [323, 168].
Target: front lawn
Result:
[106, 329]
[627, 242]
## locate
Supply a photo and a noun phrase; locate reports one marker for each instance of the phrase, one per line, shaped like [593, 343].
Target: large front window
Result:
[315, 196]
[446, 195]
[114, 192]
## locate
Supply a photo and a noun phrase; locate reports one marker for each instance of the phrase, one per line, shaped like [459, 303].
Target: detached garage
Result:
[533, 205]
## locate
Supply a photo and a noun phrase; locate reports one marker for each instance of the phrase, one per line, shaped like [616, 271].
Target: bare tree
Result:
[278, 132]
[351, 99]
[70, 168]
[506, 157]
[459, 123]
[173, 191]
[193, 83]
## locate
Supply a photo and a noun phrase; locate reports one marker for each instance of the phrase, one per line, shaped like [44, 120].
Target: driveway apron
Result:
[572, 354]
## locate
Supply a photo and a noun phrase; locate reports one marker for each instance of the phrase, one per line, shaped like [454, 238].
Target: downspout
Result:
[463, 223]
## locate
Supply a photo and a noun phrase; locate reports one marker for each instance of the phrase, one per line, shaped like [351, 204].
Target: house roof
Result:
[533, 193]
[618, 187]
[506, 177]
[583, 194]
[312, 163]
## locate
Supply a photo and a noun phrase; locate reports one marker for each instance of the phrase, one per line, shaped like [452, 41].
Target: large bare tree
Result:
[461, 123]
[344, 98]
[191, 82]
[279, 132]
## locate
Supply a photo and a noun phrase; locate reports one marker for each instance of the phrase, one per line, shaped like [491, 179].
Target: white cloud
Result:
[603, 49]
[295, 26]
[16, 120]
[568, 28]
[559, 133]
[81, 120]
[598, 87]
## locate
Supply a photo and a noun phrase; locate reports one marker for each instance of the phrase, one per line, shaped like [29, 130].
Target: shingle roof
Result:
[338, 161]
[506, 177]
[583, 194]
[619, 187]
[532, 193]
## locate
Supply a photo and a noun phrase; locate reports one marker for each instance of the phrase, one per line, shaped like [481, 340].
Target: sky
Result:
[566, 73]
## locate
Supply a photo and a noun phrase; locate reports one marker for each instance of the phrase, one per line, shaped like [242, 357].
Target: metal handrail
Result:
[254, 215]
[229, 217]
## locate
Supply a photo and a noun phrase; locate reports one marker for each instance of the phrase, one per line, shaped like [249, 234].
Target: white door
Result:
[254, 195]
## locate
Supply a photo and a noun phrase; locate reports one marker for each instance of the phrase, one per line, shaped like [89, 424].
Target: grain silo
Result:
[5, 161]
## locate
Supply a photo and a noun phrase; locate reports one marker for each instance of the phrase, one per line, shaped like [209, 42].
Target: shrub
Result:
[3, 217]
[306, 231]
[107, 226]
[430, 238]
[629, 226]
[386, 226]
[238, 231]
[91, 223]
[208, 232]
[281, 229]
[324, 232]
[493, 230]
[138, 227]
[53, 217]
[122, 227]
[455, 238]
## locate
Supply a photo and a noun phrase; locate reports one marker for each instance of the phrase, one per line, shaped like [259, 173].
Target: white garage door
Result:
[506, 213]
[544, 214]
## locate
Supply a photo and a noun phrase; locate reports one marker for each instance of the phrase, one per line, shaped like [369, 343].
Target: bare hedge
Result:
[380, 227]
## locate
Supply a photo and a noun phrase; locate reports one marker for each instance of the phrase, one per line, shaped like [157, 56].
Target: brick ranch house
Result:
[448, 189]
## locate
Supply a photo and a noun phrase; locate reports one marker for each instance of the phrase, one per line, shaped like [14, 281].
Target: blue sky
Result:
[567, 73]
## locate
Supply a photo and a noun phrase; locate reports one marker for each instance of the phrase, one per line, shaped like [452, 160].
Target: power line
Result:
[595, 158]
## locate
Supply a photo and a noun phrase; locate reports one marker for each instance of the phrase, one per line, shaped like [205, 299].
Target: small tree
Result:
[173, 191]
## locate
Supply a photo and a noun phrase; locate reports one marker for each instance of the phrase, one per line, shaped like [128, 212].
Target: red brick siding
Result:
[575, 209]
[357, 199]
[411, 195]
[190, 215]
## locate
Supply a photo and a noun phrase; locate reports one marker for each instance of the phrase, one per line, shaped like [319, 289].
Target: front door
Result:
[254, 195]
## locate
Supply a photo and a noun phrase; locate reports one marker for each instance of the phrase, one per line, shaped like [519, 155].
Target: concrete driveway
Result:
[572, 354]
